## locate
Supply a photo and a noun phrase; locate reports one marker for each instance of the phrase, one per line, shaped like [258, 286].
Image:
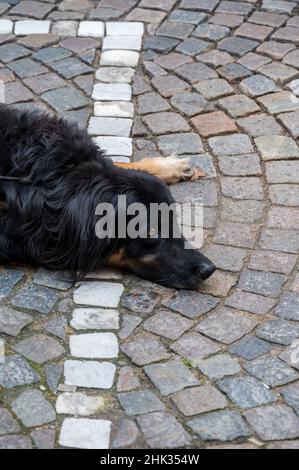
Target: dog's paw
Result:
[180, 169]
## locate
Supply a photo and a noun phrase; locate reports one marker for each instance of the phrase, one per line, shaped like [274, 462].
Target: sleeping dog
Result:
[52, 178]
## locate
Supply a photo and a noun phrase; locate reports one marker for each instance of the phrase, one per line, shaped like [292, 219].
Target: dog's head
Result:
[153, 256]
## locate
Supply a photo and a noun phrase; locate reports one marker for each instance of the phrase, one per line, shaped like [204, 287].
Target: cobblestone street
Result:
[115, 361]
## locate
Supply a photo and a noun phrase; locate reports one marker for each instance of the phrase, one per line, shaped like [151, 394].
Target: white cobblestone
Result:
[6, 26]
[115, 74]
[115, 145]
[112, 92]
[79, 404]
[94, 346]
[99, 294]
[131, 43]
[24, 27]
[95, 319]
[110, 126]
[120, 28]
[89, 374]
[123, 109]
[94, 29]
[85, 433]
[120, 58]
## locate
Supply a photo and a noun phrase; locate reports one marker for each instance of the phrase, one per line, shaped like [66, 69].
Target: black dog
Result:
[53, 176]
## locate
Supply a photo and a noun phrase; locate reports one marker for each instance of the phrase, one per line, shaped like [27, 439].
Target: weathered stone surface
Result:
[170, 377]
[260, 125]
[168, 324]
[195, 347]
[39, 348]
[271, 371]
[85, 433]
[79, 404]
[89, 374]
[192, 304]
[8, 425]
[141, 402]
[163, 430]
[144, 349]
[220, 426]
[12, 321]
[94, 345]
[44, 438]
[99, 294]
[127, 380]
[250, 347]
[189, 103]
[126, 435]
[278, 331]
[246, 392]
[219, 366]
[274, 422]
[198, 400]
[162, 123]
[15, 441]
[230, 258]
[288, 306]
[272, 261]
[141, 301]
[33, 409]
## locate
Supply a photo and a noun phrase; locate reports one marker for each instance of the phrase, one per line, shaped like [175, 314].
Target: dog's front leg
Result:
[169, 169]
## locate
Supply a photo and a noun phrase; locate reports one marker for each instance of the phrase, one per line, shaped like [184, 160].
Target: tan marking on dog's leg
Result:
[169, 169]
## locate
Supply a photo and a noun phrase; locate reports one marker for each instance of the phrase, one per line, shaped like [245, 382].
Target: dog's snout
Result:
[206, 270]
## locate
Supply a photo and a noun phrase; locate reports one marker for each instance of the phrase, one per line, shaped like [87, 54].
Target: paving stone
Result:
[79, 404]
[94, 345]
[278, 72]
[8, 425]
[80, 117]
[194, 347]
[282, 172]
[122, 28]
[170, 377]
[219, 284]
[33, 409]
[115, 145]
[36, 298]
[234, 8]
[213, 123]
[287, 34]
[152, 103]
[85, 433]
[291, 396]
[219, 425]
[129, 324]
[273, 421]
[180, 144]
[215, 58]
[278, 5]
[38, 41]
[16, 372]
[168, 324]
[144, 349]
[146, 15]
[259, 125]
[175, 30]
[112, 92]
[127, 380]
[241, 211]
[283, 445]
[219, 366]
[231, 145]
[12, 321]
[70, 68]
[95, 319]
[292, 59]
[234, 72]
[65, 28]
[252, 303]
[43, 83]
[120, 58]
[39, 348]
[228, 258]
[48, 55]
[211, 32]
[8, 280]
[192, 46]
[202, 191]
[257, 86]
[115, 74]
[89, 374]
[161, 429]
[290, 121]
[274, 49]
[31, 9]
[99, 294]
[161, 123]
[26, 68]
[269, 19]
[168, 86]
[189, 103]
[15, 93]
[198, 400]
[56, 280]
[253, 31]
[183, 16]
[246, 392]
[218, 325]
[172, 61]
[280, 240]
[227, 19]
[253, 61]
[264, 283]
[56, 326]
[270, 371]
[191, 304]
[278, 331]
[288, 306]
[141, 301]
[237, 46]
[94, 29]
[280, 102]
[283, 217]
[242, 187]
[126, 435]
[110, 126]
[141, 402]
[64, 99]
[246, 165]
[285, 194]
[44, 438]
[132, 43]
[196, 72]
[160, 44]
[215, 88]
[232, 233]
[10, 52]
[250, 347]
[15, 441]
[53, 373]
[238, 105]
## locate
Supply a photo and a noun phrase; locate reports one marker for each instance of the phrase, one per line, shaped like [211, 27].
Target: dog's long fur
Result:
[53, 176]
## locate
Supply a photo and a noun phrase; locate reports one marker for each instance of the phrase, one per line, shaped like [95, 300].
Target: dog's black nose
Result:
[206, 270]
